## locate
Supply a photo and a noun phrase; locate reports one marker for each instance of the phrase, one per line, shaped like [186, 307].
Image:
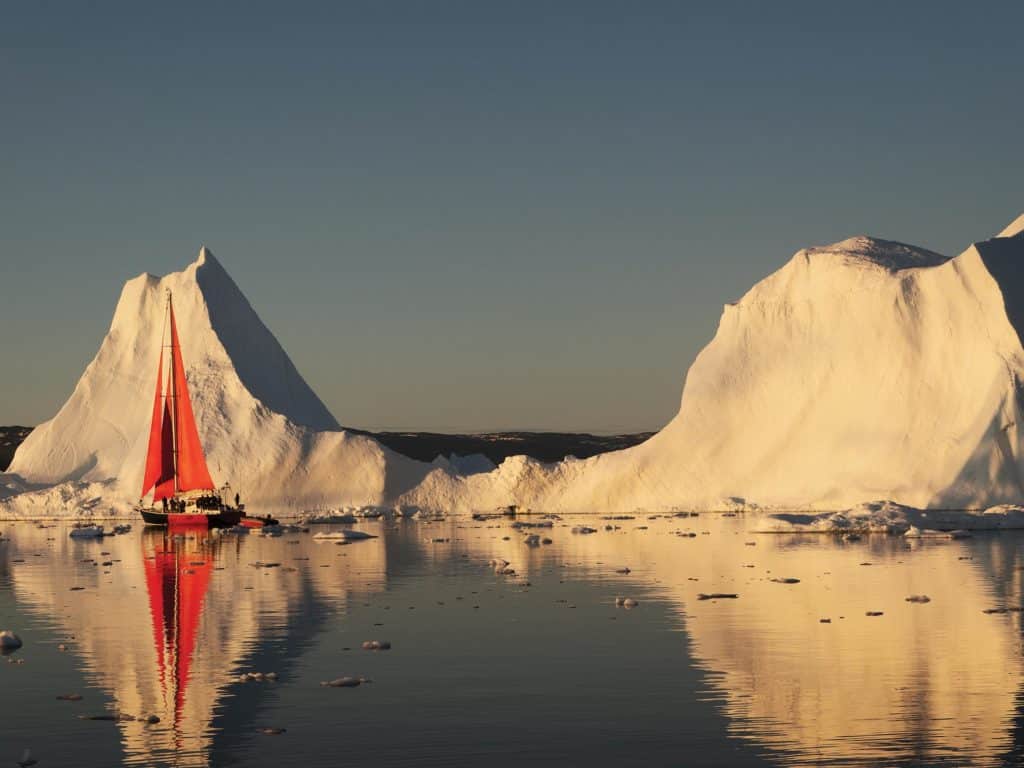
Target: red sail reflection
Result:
[178, 564]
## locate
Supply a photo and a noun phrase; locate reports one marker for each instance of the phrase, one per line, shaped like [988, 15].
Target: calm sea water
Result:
[540, 668]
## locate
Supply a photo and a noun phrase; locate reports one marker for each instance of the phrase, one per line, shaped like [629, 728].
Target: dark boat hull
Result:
[224, 518]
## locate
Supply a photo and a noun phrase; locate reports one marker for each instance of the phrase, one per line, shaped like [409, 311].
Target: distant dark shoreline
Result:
[498, 446]
[425, 446]
[10, 439]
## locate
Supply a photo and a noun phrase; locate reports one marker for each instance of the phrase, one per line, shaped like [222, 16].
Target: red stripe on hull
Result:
[201, 521]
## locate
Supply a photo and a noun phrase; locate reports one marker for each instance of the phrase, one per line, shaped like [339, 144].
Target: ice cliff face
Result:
[863, 370]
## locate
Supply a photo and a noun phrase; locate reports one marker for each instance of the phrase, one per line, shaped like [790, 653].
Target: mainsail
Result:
[175, 460]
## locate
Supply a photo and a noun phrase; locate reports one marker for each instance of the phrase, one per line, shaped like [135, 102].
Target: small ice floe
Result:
[376, 645]
[893, 518]
[913, 532]
[626, 602]
[427, 516]
[345, 682]
[345, 535]
[9, 641]
[918, 599]
[373, 513]
[330, 517]
[234, 530]
[26, 759]
[583, 529]
[785, 580]
[87, 532]
[518, 524]
[502, 567]
[717, 596]
[257, 677]
[119, 717]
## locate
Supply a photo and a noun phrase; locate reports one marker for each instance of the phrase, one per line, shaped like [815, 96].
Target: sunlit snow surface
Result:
[538, 668]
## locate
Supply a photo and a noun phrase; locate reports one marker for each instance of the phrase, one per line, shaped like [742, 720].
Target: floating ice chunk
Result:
[345, 682]
[87, 532]
[913, 532]
[9, 641]
[343, 535]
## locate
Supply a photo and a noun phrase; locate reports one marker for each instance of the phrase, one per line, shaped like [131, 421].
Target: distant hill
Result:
[10, 439]
[425, 446]
[498, 446]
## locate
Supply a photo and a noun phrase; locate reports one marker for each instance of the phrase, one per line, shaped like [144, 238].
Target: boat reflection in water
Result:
[164, 622]
[178, 566]
[215, 614]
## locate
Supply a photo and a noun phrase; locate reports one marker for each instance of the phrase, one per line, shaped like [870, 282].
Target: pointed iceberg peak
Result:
[1014, 229]
[205, 256]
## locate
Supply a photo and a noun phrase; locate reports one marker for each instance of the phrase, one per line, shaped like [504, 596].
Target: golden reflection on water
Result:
[164, 628]
[922, 682]
[928, 680]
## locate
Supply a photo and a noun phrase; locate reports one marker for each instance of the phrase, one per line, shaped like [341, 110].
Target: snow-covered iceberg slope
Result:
[863, 370]
[264, 429]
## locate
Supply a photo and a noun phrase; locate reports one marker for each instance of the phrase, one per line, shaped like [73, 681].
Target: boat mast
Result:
[172, 392]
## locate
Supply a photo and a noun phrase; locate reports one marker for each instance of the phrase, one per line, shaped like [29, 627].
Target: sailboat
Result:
[176, 470]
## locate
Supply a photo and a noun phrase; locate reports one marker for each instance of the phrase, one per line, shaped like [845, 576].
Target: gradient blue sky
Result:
[481, 215]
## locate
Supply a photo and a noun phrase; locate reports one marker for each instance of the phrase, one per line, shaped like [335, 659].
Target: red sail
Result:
[192, 471]
[154, 457]
[165, 484]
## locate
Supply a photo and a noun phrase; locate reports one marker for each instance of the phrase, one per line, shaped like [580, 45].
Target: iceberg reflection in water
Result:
[539, 666]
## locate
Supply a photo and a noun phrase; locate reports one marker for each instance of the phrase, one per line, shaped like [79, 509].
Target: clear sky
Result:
[481, 215]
